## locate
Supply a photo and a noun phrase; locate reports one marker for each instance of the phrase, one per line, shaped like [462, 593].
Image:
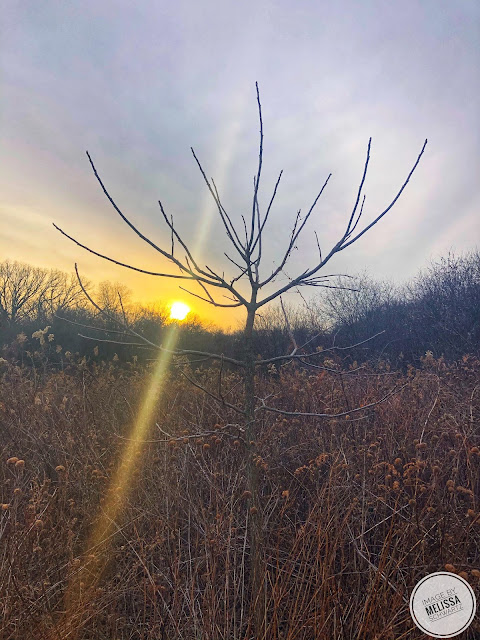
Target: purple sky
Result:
[137, 84]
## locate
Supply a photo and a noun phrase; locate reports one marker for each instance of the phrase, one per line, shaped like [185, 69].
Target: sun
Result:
[179, 311]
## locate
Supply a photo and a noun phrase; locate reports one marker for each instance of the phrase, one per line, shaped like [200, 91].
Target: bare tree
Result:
[21, 288]
[32, 293]
[247, 288]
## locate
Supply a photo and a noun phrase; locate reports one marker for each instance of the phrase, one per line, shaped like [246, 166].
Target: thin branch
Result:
[210, 300]
[89, 326]
[296, 232]
[317, 353]
[212, 395]
[182, 243]
[225, 213]
[358, 218]
[231, 232]
[259, 171]
[341, 244]
[360, 188]
[129, 331]
[203, 276]
[391, 204]
[289, 330]
[107, 340]
[260, 231]
[330, 415]
[123, 264]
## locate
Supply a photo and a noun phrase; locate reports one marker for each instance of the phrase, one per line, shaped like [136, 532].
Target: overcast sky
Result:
[138, 83]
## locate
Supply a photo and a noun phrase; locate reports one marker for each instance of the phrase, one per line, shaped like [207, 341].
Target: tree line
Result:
[437, 311]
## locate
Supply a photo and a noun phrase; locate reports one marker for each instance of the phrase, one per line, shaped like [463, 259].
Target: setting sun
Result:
[179, 311]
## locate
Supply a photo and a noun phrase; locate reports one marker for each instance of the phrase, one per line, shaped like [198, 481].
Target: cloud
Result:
[139, 84]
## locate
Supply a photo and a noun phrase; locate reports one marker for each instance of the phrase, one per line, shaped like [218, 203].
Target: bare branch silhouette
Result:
[249, 266]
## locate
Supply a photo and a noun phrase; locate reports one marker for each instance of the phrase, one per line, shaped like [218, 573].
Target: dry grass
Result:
[353, 512]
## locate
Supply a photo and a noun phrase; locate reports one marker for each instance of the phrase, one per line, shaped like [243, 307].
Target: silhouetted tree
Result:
[251, 289]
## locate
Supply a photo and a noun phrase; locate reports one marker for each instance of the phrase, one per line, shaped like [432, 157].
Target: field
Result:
[108, 535]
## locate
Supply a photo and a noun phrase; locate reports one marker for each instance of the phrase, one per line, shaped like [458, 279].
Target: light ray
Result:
[82, 587]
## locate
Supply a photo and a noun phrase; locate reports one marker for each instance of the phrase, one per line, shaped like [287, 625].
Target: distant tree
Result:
[437, 311]
[22, 287]
[367, 308]
[32, 294]
[247, 245]
[445, 306]
[62, 293]
[113, 297]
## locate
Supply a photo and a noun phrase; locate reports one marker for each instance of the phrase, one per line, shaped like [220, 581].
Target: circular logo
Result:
[442, 605]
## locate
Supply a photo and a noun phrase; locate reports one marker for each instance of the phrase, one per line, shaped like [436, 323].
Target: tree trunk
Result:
[257, 568]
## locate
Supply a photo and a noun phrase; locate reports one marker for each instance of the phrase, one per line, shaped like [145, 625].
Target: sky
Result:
[138, 84]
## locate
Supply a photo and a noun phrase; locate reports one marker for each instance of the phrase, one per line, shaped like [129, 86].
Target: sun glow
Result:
[179, 311]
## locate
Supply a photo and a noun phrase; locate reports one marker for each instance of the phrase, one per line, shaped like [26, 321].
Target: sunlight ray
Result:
[81, 589]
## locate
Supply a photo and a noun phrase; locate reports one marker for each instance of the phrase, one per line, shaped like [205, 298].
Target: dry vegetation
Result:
[355, 511]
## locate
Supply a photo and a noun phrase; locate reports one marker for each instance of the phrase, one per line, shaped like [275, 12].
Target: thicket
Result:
[439, 311]
[356, 509]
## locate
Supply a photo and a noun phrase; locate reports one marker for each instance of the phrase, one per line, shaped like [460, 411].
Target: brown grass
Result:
[354, 511]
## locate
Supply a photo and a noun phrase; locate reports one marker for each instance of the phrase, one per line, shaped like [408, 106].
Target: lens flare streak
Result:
[82, 587]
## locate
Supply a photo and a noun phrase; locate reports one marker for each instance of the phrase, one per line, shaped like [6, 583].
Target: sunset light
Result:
[179, 311]
[282, 457]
